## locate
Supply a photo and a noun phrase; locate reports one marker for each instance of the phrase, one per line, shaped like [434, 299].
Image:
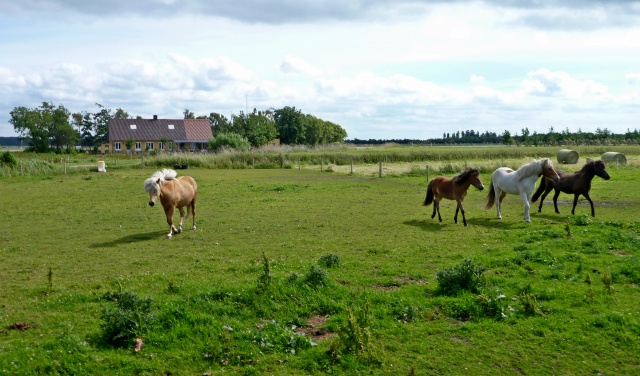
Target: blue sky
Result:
[385, 70]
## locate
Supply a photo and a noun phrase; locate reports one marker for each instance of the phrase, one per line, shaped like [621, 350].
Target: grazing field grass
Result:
[307, 272]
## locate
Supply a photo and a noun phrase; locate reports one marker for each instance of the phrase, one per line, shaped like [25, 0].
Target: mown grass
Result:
[277, 250]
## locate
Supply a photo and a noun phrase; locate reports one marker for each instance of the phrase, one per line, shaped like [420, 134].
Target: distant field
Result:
[308, 272]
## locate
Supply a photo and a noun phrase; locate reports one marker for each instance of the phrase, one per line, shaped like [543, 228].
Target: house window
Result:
[118, 146]
[149, 146]
[171, 147]
[171, 126]
[133, 126]
[138, 146]
[161, 146]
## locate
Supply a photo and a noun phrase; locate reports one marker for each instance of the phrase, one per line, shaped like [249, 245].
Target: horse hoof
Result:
[169, 237]
[193, 228]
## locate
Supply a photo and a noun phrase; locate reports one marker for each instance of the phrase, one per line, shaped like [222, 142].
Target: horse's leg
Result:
[501, 196]
[169, 213]
[436, 204]
[555, 200]
[181, 219]
[544, 195]
[193, 213]
[459, 207]
[527, 207]
[586, 195]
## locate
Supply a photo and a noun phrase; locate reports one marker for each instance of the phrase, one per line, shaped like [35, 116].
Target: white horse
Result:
[521, 182]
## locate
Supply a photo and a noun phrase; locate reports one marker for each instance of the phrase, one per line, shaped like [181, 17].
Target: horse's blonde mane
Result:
[151, 184]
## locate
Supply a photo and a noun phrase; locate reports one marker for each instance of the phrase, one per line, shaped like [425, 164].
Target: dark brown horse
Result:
[578, 184]
[173, 193]
[452, 189]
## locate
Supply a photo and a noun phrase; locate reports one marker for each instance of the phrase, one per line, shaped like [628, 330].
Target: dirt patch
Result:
[314, 331]
[387, 287]
[21, 326]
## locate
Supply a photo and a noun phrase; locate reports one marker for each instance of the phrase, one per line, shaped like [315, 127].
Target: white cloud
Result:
[294, 65]
[547, 83]
[633, 78]
[476, 79]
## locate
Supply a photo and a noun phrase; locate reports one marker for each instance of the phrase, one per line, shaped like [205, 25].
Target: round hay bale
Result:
[566, 156]
[614, 157]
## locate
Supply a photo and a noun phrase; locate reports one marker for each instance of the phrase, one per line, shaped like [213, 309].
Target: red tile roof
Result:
[185, 130]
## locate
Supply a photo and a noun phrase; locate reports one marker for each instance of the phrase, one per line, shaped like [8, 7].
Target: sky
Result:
[402, 69]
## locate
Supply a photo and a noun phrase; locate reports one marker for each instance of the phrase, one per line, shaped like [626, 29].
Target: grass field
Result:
[307, 272]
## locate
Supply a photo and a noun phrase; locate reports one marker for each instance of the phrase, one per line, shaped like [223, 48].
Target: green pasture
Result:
[298, 271]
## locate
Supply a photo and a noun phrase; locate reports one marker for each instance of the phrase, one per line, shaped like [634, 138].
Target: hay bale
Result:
[614, 158]
[566, 156]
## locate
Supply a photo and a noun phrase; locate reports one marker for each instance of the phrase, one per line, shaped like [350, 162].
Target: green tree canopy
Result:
[44, 126]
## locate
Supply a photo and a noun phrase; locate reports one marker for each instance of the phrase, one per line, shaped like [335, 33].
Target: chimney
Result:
[155, 117]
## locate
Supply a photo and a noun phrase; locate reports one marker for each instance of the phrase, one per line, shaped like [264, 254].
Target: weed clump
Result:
[463, 277]
[329, 260]
[130, 319]
[316, 277]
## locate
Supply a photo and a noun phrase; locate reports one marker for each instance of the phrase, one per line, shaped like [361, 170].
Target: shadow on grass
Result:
[426, 225]
[133, 238]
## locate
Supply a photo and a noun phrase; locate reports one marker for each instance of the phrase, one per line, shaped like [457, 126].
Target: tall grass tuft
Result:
[463, 277]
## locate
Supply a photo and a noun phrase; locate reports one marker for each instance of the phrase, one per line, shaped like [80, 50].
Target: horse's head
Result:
[475, 179]
[152, 186]
[548, 171]
[599, 170]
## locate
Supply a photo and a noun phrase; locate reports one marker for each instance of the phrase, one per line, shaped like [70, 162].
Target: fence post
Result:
[427, 173]
[351, 166]
[380, 169]
[321, 163]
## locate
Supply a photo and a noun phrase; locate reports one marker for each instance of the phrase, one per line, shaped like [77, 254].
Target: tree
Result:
[506, 138]
[219, 123]
[101, 124]
[188, 114]
[290, 125]
[44, 126]
[258, 127]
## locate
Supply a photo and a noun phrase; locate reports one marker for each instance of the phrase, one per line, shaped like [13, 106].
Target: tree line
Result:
[526, 138]
[50, 127]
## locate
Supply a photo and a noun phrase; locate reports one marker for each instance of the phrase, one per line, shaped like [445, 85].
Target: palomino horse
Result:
[521, 182]
[578, 184]
[452, 189]
[173, 193]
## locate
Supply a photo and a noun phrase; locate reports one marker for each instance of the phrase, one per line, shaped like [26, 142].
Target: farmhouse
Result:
[157, 134]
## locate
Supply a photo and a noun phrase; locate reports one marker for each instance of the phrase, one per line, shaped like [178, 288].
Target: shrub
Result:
[316, 277]
[465, 276]
[7, 159]
[229, 140]
[129, 320]
[329, 260]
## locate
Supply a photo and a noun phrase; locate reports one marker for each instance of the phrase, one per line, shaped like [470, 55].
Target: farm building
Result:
[157, 134]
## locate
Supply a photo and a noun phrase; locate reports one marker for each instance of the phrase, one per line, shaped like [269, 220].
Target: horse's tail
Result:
[491, 197]
[429, 199]
[541, 187]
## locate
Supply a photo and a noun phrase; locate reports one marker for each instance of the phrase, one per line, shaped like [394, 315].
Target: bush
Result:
[129, 320]
[316, 277]
[329, 260]
[7, 159]
[465, 276]
[229, 140]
